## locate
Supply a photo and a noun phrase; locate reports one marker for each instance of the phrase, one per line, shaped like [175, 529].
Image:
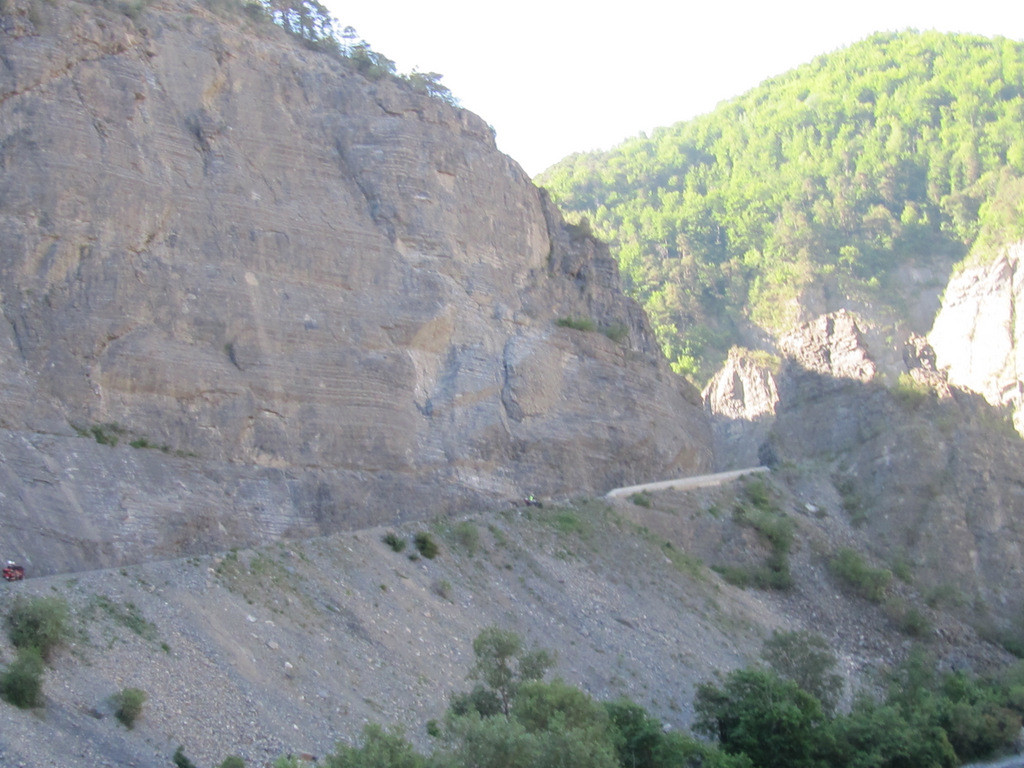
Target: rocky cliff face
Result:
[330, 301]
[977, 336]
[741, 400]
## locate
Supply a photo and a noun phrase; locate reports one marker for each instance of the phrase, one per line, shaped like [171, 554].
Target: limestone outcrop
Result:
[977, 337]
[830, 345]
[741, 400]
[327, 300]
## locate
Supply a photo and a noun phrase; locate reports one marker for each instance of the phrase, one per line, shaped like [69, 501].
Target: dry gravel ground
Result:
[295, 646]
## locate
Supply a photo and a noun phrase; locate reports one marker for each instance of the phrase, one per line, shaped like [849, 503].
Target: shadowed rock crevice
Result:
[930, 471]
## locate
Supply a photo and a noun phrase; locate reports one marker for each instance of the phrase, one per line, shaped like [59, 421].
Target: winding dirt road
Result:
[685, 483]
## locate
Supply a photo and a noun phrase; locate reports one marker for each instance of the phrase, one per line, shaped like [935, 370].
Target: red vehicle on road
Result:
[13, 572]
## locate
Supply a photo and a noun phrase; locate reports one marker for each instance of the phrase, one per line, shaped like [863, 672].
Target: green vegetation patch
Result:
[180, 760]
[683, 561]
[580, 519]
[21, 683]
[426, 545]
[806, 659]
[851, 498]
[761, 358]
[128, 615]
[143, 442]
[568, 521]
[617, 332]
[757, 509]
[465, 534]
[779, 716]
[909, 619]
[109, 433]
[910, 393]
[311, 24]
[577, 323]
[128, 705]
[42, 623]
[260, 578]
[850, 568]
[641, 499]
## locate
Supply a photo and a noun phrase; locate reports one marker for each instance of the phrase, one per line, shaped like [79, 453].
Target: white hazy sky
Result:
[560, 76]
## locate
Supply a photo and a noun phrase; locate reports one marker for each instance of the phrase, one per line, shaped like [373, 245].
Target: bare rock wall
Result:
[246, 252]
[977, 336]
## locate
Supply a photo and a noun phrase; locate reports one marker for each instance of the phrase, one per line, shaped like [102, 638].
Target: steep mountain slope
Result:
[327, 299]
[298, 645]
[252, 294]
[853, 182]
[931, 473]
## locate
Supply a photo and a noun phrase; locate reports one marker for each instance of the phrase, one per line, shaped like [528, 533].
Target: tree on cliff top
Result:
[312, 23]
[307, 19]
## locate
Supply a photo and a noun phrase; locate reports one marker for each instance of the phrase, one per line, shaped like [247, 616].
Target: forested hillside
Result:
[822, 188]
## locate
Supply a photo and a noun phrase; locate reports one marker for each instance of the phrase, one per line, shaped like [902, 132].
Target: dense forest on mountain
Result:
[903, 151]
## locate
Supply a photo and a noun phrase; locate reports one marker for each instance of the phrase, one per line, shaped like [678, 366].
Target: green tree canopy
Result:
[378, 748]
[503, 664]
[806, 659]
[757, 713]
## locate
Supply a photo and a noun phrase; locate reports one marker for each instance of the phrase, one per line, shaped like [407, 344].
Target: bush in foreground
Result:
[806, 659]
[426, 545]
[21, 684]
[38, 622]
[128, 705]
[180, 760]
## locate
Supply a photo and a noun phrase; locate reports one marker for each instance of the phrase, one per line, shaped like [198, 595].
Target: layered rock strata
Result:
[328, 300]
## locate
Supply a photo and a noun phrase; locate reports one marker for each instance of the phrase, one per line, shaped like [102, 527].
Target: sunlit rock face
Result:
[741, 400]
[978, 337]
[329, 300]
